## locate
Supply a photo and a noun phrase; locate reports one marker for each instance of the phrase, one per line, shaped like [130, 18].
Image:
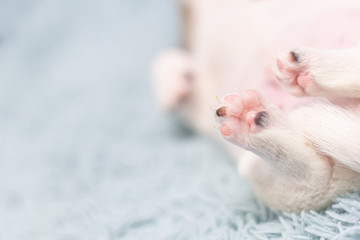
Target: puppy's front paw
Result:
[173, 78]
[242, 115]
[293, 70]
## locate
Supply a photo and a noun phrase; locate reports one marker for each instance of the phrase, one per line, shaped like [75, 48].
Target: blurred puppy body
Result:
[297, 153]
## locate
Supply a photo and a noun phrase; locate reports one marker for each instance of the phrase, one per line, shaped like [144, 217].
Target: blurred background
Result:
[84, 152]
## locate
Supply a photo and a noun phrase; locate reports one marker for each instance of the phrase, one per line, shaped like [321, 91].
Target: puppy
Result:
[297, 153]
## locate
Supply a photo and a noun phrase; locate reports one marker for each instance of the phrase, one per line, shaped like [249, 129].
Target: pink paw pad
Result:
[242, 114]
[292, 73]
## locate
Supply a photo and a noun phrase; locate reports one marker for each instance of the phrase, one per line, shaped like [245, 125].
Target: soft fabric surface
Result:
[85, 154]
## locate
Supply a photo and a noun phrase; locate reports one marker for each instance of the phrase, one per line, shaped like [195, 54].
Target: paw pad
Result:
[293, 73]
[242, 113]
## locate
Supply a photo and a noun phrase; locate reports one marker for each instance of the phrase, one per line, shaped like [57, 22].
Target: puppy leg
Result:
[251, 122]
[331, 130]
[314, 72]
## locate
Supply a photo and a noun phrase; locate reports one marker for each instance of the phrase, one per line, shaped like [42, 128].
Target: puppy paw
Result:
[243, 115]
[172, 78]
[293, 70]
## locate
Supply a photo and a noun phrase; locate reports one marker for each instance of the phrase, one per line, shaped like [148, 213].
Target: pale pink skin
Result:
[300, 155]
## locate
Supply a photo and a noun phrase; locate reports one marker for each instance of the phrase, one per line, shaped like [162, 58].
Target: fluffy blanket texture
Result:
[84, 153]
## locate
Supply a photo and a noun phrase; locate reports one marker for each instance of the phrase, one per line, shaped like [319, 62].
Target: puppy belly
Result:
[335, 30]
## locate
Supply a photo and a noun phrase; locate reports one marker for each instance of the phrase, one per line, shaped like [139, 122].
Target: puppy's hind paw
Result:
[242, 115]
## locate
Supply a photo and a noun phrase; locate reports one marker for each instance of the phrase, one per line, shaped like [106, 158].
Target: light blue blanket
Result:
[84, 154]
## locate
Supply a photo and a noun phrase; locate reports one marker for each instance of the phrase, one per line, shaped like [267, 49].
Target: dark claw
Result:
[294, 56]
[221, 112]
[261, 119]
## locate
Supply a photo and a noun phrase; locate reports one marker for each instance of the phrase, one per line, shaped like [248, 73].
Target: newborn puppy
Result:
[297, 153]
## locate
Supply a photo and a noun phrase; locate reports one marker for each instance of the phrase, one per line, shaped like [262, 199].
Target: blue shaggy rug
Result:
[84, 154]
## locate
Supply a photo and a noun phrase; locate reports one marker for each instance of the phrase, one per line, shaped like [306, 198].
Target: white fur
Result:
[305, 157]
